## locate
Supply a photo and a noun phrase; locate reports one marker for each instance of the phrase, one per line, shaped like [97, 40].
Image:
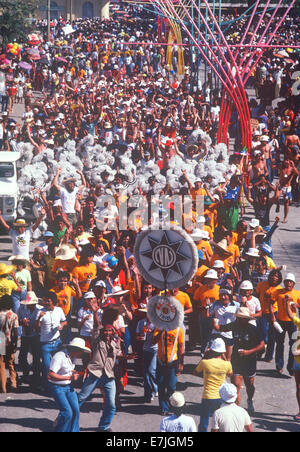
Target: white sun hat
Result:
[228, 392]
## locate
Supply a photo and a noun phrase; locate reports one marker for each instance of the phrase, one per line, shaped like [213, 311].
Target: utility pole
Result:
[48, 20]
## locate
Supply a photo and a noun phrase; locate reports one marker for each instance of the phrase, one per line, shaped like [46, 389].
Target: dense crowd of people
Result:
[113, 124]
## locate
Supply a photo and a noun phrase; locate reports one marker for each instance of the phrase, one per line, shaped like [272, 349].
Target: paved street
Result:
[275, 400]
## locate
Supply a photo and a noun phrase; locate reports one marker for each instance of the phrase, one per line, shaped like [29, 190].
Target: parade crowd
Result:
[114, 119]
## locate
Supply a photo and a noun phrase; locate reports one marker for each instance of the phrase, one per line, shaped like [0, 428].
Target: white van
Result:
[9, 190]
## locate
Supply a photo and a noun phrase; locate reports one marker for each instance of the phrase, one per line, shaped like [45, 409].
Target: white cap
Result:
[197, 234]
[290, 277]
[246, 285]
[89, 295]
[228, 392]
[177, 400]
[218, 346]
[201, 219]
[100, 284]
[253, 252]
[254, 223]
[205, 235]
[211, 274]
[219, 264]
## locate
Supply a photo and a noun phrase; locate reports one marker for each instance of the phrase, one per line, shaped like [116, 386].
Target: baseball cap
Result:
[48, 234]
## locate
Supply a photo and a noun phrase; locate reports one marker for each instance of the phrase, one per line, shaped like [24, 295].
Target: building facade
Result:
[74, 9]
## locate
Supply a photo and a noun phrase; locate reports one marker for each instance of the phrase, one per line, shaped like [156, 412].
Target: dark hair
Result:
[178, 411]
[6, 303]
[263, 260]
[51, 296]
[63, 274]
[100, 242]
[275, 272]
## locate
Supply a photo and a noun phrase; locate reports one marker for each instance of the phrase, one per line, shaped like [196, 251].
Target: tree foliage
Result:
[15, 17]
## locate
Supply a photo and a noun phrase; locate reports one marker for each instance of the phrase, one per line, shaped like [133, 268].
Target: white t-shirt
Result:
[87, 327]
[254, 307]
[21, 242]
[182, 424]
[50, 324]
[68, 200]
[62, 364]
[230, 418]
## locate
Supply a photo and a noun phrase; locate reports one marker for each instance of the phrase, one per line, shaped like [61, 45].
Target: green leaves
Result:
[14, 24]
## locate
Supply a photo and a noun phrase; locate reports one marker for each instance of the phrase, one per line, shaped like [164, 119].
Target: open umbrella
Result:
[63, 60]
[33, 52]
[24, 65]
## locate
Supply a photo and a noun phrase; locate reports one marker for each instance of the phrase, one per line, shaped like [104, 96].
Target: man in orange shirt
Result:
[267, 292]
[169, 364]
[288, 293]
[204, 296]
[65, 295]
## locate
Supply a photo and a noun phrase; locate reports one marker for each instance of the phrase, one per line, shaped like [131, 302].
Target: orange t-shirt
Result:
[204, 292]
[184, 300]
[82, 273]
[264, 289]
[64, 298]
[205, 244]
[171, 338]
[199, 276]
[294, 295]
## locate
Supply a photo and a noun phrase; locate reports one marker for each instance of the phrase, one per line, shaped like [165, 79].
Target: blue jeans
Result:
[208, 407]
[17, 297]
[48, 349]
[69, 412]
[290, 328]
[269, 335]
[109, 387]
[150, 365]
[166, 382]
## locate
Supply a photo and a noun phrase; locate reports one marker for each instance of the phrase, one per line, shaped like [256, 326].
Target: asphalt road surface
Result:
[274, 401]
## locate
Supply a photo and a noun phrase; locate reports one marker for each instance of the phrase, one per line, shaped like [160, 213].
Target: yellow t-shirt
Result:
[297, 323]
[7, 286]
[171, 338]
[82, 273]
[215, 371]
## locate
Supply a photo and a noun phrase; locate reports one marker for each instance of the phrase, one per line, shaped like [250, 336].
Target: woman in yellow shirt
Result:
[291, 313]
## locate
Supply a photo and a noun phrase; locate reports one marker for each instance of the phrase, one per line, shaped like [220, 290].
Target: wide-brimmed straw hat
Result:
[66, 253]
[117, 291]
[19, 258]
[78, 343]
[20, 223]
[221, 246]
[243, 313]
[31, 299]
[6, 269]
